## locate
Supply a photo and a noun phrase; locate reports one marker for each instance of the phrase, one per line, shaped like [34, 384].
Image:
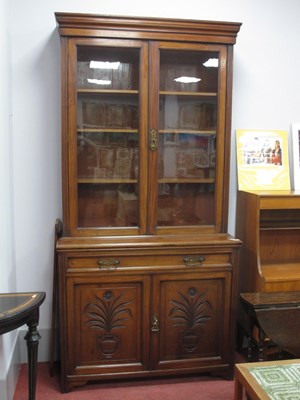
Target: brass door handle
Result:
[153, 140]
[155, 323]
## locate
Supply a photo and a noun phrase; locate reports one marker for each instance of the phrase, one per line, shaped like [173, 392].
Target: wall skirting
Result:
[8, 384]
[44, 345]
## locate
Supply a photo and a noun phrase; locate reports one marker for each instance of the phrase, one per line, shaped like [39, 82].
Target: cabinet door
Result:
[107, 324]
[107, 94]
[192, 311]
[187, 136]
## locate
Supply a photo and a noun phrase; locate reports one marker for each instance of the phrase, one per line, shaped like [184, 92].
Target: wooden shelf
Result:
[189, 131]
[106, 130]
[105, 181]
[164, 180]
[281, 271]
[192, 94]
[186, 180]
[107, 91]
[285, 226]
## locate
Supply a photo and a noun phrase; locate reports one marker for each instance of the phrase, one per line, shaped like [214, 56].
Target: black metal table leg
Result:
[32, 338]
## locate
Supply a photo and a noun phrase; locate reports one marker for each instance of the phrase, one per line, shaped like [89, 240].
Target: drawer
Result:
[108, 261]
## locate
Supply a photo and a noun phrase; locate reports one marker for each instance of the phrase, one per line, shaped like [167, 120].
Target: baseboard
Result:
[19, 356]
[8, 385]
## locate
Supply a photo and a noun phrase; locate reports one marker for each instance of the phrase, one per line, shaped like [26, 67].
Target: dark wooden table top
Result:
[278, 315]
[15, 308]
[271, 299]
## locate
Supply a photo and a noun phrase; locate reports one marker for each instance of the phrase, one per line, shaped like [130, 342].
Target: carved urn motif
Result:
[107, 314]
[191, 311]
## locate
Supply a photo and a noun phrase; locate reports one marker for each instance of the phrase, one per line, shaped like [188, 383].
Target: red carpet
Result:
[196, 388]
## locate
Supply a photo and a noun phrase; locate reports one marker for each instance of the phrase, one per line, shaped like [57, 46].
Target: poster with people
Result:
[262, 160]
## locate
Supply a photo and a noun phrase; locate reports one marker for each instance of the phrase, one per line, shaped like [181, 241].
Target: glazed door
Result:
[107, 102]
[186, 137]
[107, 324]
[192, 314]
[146, 138]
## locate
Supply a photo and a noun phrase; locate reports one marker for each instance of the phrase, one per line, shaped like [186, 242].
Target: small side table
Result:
[277, 316]
[267, 380]
[17, 309]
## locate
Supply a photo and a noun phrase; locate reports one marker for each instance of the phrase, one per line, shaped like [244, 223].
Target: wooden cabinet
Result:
[147, 312]
[147, 272]
[268, 223]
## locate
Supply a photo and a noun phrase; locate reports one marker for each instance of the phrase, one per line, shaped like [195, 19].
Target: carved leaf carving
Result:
[191, 310]
[108, 312]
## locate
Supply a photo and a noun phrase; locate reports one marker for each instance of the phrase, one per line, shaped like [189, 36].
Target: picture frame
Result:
[262, 160]
[296, 155]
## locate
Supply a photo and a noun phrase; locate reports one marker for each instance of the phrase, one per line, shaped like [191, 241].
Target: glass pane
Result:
[186, 175]
[107, 137]
[107, 68]
[107, 110]
[200, 67]
[107, 155]
[185, 204]
[188, 105]
[107, 205]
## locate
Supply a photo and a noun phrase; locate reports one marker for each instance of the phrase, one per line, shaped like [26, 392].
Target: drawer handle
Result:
[109, 263]
[193, 260]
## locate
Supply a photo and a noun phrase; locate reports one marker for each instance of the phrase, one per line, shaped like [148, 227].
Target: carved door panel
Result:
[192, 318]
[107, 324]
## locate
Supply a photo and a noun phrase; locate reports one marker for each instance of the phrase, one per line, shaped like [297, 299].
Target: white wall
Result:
[7, 263]
[266, 96]
[7, 280]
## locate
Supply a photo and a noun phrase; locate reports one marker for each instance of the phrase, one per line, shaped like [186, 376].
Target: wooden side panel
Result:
[247, 230]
